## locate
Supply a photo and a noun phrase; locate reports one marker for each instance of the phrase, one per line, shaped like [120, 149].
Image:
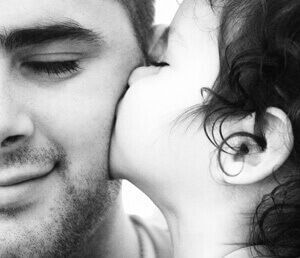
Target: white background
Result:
[135, 202]
[165, 10]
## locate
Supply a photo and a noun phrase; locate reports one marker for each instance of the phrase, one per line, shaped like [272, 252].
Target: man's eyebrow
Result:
[40, 34]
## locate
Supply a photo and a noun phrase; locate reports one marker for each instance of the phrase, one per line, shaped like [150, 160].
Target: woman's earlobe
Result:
[253, 159]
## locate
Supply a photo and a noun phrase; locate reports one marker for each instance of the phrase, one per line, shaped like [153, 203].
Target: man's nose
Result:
[16, 125]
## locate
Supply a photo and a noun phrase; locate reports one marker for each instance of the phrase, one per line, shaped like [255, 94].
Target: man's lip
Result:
[15, 176]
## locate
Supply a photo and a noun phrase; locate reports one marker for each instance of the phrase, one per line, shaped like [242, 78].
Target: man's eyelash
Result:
[56, 67]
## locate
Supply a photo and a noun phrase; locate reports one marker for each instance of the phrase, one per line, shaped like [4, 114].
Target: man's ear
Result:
[158, 42]
[255, 163]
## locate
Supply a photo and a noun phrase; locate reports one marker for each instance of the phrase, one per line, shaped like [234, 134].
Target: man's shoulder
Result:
[154, 241]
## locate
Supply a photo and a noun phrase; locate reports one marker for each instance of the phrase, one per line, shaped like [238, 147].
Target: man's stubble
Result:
[72, 219]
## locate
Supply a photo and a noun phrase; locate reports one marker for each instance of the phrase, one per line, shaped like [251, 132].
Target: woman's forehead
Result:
[194, 22]
[195, 15]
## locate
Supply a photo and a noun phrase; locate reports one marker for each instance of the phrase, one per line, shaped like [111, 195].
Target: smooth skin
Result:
[171, 158]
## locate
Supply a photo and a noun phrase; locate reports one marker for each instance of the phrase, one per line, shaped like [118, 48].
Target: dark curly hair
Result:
[259, 44]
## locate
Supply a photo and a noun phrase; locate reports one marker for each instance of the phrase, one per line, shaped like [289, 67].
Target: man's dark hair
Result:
[259, 45]
[141, 13]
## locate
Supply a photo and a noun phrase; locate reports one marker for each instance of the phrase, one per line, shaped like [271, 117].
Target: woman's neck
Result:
[214, 232]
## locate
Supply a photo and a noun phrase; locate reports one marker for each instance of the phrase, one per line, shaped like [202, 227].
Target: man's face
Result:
[63, 67]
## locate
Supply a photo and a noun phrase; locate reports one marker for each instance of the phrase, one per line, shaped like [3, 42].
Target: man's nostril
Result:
[11, 140]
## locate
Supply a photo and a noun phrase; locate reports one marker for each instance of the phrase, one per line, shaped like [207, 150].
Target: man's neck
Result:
[115, 236]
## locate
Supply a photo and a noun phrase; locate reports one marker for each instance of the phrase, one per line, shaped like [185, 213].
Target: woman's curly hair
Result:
[259, 44]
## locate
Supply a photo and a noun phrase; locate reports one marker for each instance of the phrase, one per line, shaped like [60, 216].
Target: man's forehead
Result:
[107, 18]
[14, 13]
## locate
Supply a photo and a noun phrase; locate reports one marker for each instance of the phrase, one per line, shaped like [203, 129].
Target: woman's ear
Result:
[253, 163]
[158, 42]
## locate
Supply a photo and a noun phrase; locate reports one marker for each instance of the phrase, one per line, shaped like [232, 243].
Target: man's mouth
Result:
[24, 186]
[16, 176]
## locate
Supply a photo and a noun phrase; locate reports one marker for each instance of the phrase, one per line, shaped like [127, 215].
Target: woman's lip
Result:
[15, 176]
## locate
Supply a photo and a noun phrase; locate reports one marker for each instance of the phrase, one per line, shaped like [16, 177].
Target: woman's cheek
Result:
[146, 117]
[140, 120]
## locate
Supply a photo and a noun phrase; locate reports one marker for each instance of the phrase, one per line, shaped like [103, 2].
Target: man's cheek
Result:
[82, 129]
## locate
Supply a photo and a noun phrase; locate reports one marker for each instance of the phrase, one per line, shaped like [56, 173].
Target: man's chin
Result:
[57, 229]
[21, 242]
[27, 232]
